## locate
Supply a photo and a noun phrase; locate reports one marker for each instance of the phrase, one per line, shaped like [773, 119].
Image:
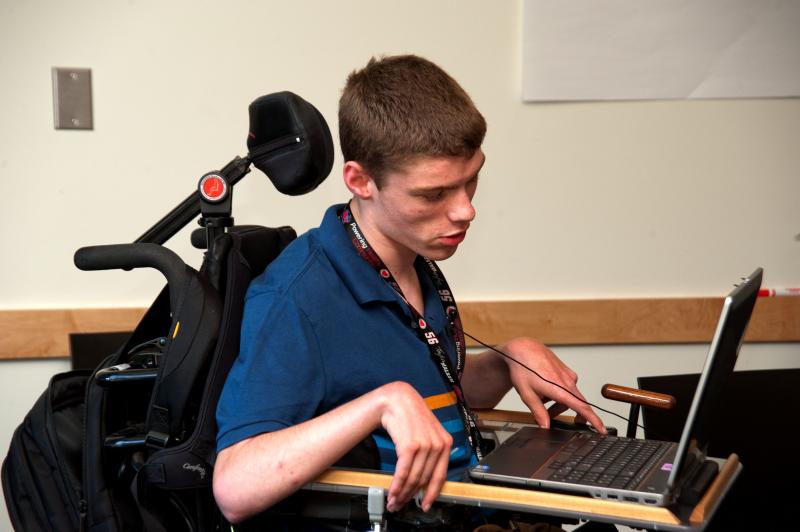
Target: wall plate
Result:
[72, 98]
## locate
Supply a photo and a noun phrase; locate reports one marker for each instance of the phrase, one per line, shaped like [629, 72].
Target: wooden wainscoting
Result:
[44, 333]
[625, 321]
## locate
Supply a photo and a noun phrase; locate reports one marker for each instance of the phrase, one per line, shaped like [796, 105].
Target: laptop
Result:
[627, 469]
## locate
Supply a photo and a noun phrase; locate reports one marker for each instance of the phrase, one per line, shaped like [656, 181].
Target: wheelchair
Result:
[150, 431]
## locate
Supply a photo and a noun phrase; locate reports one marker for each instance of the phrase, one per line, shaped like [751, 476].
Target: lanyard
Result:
[421, 327]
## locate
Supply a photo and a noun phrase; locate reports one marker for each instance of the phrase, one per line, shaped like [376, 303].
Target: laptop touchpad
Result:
[539, 438]
[529, 449]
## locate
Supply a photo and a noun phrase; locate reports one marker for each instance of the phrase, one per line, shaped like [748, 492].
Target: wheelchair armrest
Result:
[141, 255]
[507, 416]
[487, 417]
[639, 397]
[495, 419]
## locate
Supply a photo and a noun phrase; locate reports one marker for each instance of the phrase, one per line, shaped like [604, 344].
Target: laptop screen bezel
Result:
[743, 296]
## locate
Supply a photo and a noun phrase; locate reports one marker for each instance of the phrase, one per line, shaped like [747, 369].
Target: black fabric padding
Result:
[276, 122]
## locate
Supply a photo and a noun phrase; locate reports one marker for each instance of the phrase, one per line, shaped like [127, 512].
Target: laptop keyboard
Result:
[608, 461]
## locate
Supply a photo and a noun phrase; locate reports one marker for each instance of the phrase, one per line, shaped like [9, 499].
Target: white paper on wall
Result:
[660, 49]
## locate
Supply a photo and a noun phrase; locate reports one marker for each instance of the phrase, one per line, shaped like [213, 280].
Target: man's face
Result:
[426, 207]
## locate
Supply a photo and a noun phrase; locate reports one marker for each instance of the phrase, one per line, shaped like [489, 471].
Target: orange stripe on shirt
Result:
[440, 401]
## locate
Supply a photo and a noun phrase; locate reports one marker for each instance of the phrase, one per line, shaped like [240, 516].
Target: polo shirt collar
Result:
[359, 277]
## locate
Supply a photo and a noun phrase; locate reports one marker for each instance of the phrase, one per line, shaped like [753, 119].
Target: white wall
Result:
[576, 200]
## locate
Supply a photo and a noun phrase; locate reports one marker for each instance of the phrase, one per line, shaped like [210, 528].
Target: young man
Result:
[352, 334]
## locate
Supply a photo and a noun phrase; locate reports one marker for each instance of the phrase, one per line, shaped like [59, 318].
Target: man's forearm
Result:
[256, 473]
[485, 379]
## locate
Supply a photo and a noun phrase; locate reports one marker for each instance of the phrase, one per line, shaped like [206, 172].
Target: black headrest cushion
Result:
[289, 141]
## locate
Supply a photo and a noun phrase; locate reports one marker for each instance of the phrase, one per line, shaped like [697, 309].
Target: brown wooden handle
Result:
[639, 397]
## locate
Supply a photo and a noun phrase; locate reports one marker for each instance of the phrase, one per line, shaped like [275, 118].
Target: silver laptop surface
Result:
[627, 469]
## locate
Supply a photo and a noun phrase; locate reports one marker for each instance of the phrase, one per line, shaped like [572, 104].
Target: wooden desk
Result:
[556, 504]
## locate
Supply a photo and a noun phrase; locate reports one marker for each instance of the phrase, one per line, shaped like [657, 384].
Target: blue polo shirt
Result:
[322, 328]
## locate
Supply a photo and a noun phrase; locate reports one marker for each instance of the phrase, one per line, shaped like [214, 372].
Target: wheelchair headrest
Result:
[289, 141]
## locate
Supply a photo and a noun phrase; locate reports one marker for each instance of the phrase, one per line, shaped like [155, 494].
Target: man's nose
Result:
[461, 209]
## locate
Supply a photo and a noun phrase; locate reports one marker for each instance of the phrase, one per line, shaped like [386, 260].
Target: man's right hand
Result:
[422, 445]
[256, 473]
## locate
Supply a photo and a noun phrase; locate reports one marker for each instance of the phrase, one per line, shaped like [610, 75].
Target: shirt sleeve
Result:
[278, 379]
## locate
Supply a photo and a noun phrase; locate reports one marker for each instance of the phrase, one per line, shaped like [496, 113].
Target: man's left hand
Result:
[536, 391]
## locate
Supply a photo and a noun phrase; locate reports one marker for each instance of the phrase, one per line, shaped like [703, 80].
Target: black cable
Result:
[545, 380]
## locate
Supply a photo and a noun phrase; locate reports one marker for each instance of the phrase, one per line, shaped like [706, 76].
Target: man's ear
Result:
[357, 180]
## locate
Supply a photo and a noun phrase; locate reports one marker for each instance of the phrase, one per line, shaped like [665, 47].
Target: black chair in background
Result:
[759, 406]
[87, 350]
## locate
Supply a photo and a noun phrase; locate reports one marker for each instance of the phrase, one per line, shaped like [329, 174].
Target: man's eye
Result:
[433, 196]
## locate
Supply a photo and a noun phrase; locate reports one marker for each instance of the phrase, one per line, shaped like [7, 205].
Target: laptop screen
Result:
[722, 355]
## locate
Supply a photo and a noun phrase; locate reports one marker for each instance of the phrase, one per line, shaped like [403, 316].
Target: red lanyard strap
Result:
[421, 327]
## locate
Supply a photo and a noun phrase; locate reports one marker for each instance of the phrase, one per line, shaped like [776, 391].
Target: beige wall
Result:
[576, 200]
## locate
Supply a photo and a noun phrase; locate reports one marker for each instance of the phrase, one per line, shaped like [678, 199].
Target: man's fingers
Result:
[421, 460]
[399, 478]
[536, 407]
[418, 456]
[437, 464]
[578, 403]
[437, 481]
[557, 409]
[440, 452]
[589, 415]
[585, 410]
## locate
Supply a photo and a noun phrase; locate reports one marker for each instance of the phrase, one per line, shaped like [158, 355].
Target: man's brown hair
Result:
[401, 107]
